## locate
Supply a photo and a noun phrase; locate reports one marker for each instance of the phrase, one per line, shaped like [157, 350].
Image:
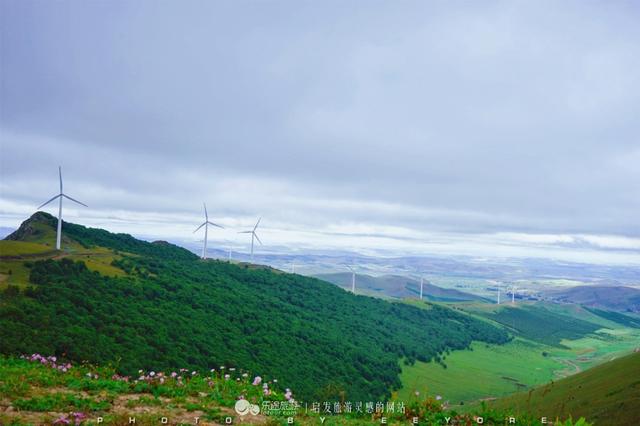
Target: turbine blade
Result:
[75, 201]
[215, 224]
[206, 215]
[198, 228]
[44, 204]
[60, 175]
[245, 232]
[257, 223]
[256, 235]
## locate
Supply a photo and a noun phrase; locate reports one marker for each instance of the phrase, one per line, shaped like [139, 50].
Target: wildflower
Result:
[140, 371]
[174, 374]
[153, 373]
[212, 370]
[63, 420]
[88, 375]
[193, 373]
[226, 377]
[417, 393]
[257, 381]
[161, 380]
[222, 367]
[438, 397]
[275, 380]
[232, 369]
[245, 375]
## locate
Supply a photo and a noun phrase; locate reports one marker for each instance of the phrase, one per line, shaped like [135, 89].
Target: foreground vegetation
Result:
[37, 390]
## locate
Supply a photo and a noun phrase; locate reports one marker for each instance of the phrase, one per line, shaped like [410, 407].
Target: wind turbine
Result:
[206, 224]
[230, 247]
[498, 295]
[421, 286]
[253, 236]
[293, 267]
[60, 196]
[353, 279]
[513, 294]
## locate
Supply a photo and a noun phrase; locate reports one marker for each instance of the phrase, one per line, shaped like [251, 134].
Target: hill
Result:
[617, 298]
[166, 308]
[608, 394]
[398, 287]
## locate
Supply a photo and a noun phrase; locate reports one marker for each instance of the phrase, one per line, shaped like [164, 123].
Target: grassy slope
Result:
[494, 367]
[487, 370]
[14, 254]
[608, 394]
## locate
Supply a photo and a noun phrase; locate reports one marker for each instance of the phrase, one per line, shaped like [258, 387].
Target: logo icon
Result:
[244, 407]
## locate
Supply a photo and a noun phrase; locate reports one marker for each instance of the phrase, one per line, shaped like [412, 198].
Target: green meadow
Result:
[483, 372]
[490, 371]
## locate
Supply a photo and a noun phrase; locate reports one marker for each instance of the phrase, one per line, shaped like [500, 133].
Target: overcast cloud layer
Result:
[485, 128]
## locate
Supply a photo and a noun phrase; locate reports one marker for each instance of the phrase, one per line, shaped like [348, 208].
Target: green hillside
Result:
[608, 394]
[167, 309]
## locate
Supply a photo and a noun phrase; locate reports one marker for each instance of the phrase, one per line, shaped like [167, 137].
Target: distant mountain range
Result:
[618, 298]
[397, 286]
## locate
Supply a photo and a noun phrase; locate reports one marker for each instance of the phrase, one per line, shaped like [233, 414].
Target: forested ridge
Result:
[172, 310]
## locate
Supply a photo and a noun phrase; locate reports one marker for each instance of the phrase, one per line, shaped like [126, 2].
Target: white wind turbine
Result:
[513, 294]
[253, 236]
[230, 247]
[206, 224]
[353, 279]
[60, 196]
[421, 286]
[498, 295]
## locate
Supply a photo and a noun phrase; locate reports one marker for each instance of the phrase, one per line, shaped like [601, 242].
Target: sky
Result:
[474, 128]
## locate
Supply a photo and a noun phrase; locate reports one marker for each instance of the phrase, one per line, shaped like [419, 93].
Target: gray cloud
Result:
[415, 116]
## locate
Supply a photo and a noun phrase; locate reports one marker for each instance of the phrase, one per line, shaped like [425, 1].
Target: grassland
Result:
[608, 394]
[491, 371]
[485, 371]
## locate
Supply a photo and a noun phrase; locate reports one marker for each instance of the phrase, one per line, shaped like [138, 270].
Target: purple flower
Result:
[257, 381]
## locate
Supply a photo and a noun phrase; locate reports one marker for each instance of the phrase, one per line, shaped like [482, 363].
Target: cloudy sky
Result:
[483, 128]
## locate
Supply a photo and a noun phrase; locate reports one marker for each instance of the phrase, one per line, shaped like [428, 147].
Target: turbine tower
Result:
[253, 236]
[421, 286]
[498, 295]
[353, 279]
[60, 196]
[206, 224]
[513, 295]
